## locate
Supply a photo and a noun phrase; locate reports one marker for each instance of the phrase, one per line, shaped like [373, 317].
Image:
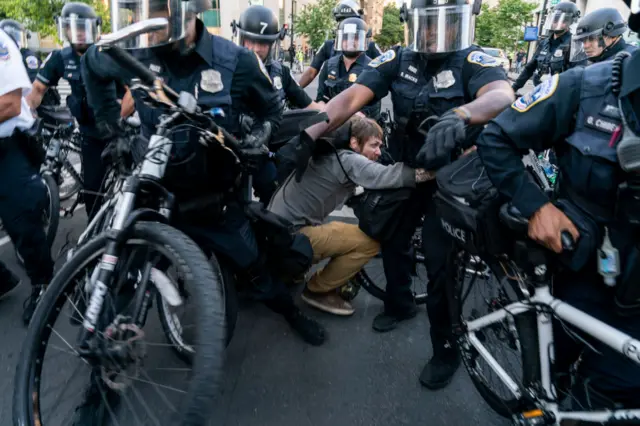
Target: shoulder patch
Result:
[483, 59]
[32, 62]
[263, 68]
[541, 92]
[4, 52]
[387, 56]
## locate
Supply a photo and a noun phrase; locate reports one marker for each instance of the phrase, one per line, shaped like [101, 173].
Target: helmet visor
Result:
[441, 29]
[560, 21]
[586, 46]
[80, 31]
[18, 34]
[128, 12]
[351, 39]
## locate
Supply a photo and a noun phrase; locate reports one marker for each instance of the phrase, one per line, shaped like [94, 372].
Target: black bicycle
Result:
[121, 271]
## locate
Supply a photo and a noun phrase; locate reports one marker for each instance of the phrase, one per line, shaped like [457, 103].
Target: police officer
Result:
[224, 78]
[553, 53]
[442, 75]
[345, 9]
[581, 110]
[22, 193]
[80, 26]
[342, 70]
[17, 32]
[598, 37]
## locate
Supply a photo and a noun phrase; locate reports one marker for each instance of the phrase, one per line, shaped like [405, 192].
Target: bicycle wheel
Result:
[175, 320]
[185, 257]
[70, 176]
[518, 334]
[372, 277]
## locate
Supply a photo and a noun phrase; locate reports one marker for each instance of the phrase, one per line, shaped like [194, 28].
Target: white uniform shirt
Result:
[13, 76]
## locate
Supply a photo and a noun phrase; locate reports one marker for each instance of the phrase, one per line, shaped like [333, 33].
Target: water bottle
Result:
[549, 169]
[608, 261]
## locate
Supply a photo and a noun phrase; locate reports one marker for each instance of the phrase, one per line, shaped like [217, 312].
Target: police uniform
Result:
[551, 57]
[580, 114]
[65, 64]
[22, 193]
[419, 89]
[31, 63]
[288, 88]
[328, 51]
[223, 77]
[335, 78]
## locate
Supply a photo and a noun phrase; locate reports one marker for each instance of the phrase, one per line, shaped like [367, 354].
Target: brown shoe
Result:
[328, 302]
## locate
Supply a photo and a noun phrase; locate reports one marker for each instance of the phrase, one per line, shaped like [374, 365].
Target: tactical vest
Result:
[336, 84]
[31, 63]
[275, 72]
[417, 96]
[589, 168]
[77, 101]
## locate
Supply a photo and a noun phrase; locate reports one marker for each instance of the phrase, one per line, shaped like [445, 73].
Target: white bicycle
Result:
[516, 312]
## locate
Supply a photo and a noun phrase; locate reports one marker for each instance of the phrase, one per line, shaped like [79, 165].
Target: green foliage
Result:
[315, 21]
[503, 26]
[392, 31]
[38, 15]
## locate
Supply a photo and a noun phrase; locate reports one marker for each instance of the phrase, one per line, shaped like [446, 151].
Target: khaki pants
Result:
[349, 249]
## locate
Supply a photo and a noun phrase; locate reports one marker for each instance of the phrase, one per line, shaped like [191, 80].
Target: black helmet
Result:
[592, 29]
[79, 25]
[258, 23]
[440, 27]
[347, 9]
[564, 14]
[352, 37]
[16, 31]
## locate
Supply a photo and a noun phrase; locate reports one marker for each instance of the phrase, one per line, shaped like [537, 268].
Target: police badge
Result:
[277, 82]
[211, 81]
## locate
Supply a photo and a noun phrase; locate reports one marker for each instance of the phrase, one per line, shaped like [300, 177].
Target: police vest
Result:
[31, 63]
[589, 168]
[417, 96]
[275, 72]
[336, 84]
[77, 101]
[551, 60]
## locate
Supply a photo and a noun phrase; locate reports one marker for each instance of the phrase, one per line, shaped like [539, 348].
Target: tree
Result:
[503, 26]
[392, 31]
[316, 22]
[38, 15]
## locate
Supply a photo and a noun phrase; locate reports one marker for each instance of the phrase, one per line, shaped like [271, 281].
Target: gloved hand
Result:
[118, 150]
[448, 133]
[257, 138]
[305, 146]
[253, 158]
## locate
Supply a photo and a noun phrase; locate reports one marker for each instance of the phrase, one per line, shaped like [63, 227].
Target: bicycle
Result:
[110, 339]
[518, 314]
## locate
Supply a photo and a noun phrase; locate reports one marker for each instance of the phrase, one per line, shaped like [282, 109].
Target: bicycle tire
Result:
[66, 164]
[379, 293]
[208, 362]
[526, 327]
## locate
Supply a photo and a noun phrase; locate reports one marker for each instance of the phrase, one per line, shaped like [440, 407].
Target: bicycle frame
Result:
[620, 342]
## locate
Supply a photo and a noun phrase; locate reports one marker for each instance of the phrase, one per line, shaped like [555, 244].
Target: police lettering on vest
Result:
[336, 83]
[77, 101]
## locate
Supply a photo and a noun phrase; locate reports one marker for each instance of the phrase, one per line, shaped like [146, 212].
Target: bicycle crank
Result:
[533, 418]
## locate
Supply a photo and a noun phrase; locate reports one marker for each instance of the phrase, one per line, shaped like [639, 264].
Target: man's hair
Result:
[364, 129]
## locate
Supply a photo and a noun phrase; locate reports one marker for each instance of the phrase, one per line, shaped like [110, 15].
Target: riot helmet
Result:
[562, 17]
[16, 31]
[352, 37]
[596, 32]
[180, 15]
[259, 31]
[79, 24]
[347, 9]
[440, 26]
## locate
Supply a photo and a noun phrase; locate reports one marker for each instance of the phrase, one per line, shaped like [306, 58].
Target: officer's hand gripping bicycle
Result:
[110, 341]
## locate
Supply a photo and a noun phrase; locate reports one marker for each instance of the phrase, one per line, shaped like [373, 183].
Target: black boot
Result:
[386, 321]
[440, 369]
[309, 329]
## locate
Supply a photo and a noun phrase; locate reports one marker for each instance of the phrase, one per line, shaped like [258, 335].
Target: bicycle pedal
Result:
[533, 418]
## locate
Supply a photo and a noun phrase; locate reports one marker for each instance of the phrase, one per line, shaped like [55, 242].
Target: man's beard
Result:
[351, 55]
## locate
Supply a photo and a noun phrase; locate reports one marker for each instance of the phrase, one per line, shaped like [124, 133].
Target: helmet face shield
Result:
[560, 21]
[351, 39]
[441, 29]
[128, 12]
[78, 31]
[586, 46]
[19, 35]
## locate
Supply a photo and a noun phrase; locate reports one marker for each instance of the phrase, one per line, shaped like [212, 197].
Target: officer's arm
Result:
[10, 105]
[48, 76]
[527, 72]
[312, 70]
[374, 50]
[252, 84]
[321, 96]
[14, 80]
[294, 93]
[485, 82]
[373, 84]
[100, 74]
[535, 121]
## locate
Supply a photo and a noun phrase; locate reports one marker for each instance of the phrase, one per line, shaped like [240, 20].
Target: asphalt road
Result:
[271, 378]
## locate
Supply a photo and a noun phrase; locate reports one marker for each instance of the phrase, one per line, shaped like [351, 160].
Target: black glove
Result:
[118, 150]
[448, 133]
[253, 158]
[257, 137]
[304, 151]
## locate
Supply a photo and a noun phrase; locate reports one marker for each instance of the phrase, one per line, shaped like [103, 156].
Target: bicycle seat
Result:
[58, 115]
[511, 216]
